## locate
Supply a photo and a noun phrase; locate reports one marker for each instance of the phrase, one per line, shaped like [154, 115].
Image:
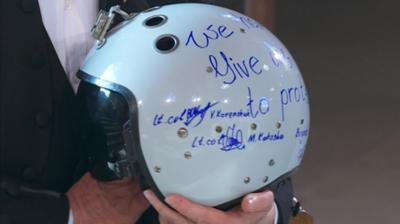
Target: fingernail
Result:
[147, 194]
[251, 200]
[170, 201]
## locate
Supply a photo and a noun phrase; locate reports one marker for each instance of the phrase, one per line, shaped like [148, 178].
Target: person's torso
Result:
[38, 128]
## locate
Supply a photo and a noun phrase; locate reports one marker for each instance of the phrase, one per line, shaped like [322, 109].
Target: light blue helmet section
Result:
[222, 109]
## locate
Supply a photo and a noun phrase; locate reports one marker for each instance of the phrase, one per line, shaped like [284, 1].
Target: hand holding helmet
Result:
[116, 202]
[256, 208]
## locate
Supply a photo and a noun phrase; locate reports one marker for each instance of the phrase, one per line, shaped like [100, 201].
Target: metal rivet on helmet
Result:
[278, 124]
[183, 132]
[157, 169]
[271, 162]
[188, 155]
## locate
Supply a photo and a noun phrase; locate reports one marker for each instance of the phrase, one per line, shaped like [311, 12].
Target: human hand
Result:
[115, 202]
[255, 208]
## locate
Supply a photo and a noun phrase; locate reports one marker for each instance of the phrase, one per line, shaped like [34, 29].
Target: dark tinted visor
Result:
[104, 116]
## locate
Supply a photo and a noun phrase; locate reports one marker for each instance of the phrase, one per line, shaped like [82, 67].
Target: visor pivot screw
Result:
[210, 69]
[246, 180]
[302, 121]
[157, 169]
[265, 180]
[253, 126]
[188, 155]
[271, 162]
[278, 125]
[242, 30]
[183, 132]
[218, 129]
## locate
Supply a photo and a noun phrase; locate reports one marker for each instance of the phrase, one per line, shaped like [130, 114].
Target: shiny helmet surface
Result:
[197, 99]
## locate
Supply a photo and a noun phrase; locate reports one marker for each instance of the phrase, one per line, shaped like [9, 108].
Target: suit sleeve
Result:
[24, 205]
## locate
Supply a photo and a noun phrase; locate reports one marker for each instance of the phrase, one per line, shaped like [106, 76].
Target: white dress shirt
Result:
[68, 24]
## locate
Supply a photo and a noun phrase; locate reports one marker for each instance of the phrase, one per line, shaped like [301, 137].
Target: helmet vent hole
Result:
[155, 21]
[167, 43]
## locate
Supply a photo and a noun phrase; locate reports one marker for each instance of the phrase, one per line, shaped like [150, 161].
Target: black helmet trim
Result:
[134, 128]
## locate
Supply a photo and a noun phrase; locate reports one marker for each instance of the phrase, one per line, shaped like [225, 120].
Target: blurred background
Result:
[348, 52]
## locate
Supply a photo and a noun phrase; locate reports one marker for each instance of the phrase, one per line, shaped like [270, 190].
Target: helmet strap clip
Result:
[104, 21]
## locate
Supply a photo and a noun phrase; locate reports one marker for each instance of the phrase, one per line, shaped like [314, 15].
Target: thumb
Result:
[258, 202]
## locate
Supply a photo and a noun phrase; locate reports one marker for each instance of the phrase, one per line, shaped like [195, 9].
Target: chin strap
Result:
[104, 21]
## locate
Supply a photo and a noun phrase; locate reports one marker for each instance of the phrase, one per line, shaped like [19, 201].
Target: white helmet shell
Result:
[221, 106]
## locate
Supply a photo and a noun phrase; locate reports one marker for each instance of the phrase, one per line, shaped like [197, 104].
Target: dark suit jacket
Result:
[40, 154]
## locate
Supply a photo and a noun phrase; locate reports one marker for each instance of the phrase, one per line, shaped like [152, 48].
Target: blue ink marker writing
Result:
[253, 108]
[280, 57]
[210, 34]
[187, 116]
[230, 69]
[262, 108]
[232, 139]
[194, 112]
[301, 133]
[158, 119]
[263, 137]
[247, 21]
[292, 95]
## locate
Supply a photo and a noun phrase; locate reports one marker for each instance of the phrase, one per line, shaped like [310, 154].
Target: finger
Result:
[138, 204]
[255, 208]
[163, 220]
[195, 212]
[120, 188]
[258, 202]
[166, 214]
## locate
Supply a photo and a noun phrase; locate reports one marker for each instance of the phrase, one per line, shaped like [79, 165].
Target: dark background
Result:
[348, 52]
